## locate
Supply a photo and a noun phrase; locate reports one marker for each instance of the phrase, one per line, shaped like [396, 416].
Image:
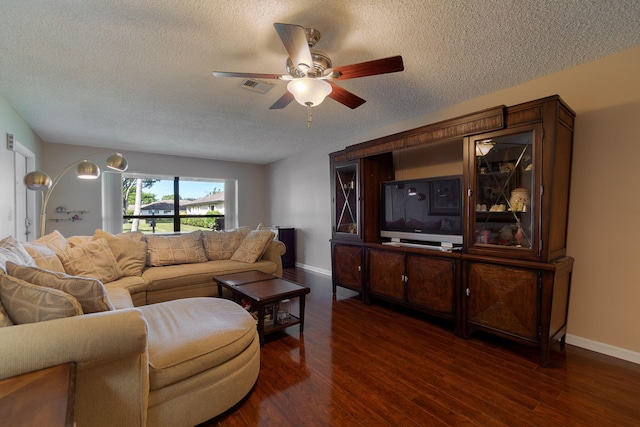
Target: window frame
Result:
[176, 216]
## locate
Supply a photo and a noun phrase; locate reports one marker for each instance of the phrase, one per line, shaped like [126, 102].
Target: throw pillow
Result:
[222, 244]
[89, 292]
[262, 228]
[29, 303]
[78, 240]
[54, 240]
[12, 250]
[93, 259]
[5, 320]
[253, 246]
[128, 249]
[169, 250]
[44, 256]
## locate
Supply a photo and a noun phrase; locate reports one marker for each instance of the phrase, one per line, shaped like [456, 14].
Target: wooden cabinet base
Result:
[39, 398]
[524, 302]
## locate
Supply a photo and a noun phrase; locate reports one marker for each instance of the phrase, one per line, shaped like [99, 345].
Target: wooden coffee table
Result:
[263, 290]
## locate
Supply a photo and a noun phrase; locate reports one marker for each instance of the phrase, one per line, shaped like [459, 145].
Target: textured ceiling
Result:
[136, 74]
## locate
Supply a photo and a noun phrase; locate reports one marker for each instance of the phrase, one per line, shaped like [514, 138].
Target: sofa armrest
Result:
[274, 253]
[110, 348]
[86, 339]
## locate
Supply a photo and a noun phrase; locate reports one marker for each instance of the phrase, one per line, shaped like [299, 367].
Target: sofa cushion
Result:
[176, 276]
[92, 259]
[29, 303]
[222, 244]
[253, 246]
[170, 250]
[44, 256]
[133, 284]
[89, 292]
[129, 250]
[192, 335]
[12, 250]
[120, 298]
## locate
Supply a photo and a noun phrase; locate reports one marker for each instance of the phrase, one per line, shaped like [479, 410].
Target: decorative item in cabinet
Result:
[503, 182]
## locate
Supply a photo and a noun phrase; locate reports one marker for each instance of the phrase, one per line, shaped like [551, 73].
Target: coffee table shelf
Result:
[275, 327]
[262, 289]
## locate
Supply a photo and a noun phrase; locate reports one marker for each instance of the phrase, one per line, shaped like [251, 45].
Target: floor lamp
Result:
[41, 182]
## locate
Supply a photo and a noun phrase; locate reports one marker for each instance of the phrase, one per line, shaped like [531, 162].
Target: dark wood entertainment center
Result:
[511, 276]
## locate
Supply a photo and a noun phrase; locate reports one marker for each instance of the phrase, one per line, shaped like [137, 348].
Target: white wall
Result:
[76, 194]
[603, 231]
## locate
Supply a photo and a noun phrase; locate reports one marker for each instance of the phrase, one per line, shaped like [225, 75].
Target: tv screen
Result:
[427, 209]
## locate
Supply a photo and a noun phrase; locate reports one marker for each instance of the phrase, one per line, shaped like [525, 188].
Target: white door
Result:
[25, 206]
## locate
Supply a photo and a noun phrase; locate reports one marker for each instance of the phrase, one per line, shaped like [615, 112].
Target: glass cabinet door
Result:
[503, 196]
[346, 211]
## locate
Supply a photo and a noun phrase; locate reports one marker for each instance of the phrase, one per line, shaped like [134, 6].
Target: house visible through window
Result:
[160, 204]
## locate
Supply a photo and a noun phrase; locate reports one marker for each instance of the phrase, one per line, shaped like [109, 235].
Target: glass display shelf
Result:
[504, 181]
[346, 204]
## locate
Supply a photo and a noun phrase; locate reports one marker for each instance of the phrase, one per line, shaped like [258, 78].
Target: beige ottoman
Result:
[204, 357]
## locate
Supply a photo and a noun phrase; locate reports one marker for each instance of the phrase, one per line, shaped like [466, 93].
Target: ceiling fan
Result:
[311, 73]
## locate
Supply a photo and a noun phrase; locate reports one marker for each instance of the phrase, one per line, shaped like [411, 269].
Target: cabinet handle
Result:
[359, 269]
[467, 291]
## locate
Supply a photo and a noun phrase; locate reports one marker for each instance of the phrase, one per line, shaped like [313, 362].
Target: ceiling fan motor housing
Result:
[321, 63]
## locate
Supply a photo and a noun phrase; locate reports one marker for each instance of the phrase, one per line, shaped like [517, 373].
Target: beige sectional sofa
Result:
[146, 354]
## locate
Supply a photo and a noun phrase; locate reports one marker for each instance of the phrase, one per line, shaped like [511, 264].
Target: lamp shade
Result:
[117, 162]
[37, 181]
[308, 91]
[87, 170]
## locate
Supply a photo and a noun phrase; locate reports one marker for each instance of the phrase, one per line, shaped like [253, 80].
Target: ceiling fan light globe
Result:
[308, 91]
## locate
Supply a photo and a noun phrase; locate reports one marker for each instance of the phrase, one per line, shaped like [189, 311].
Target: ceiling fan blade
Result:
[345, 97]
[283, 101]
[392, 64]
[295, 42]
[247, 75]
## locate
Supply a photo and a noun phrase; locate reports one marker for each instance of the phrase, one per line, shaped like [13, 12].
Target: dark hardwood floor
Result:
[359, 365]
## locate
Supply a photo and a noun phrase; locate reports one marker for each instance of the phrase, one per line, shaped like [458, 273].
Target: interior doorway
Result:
[25, 200]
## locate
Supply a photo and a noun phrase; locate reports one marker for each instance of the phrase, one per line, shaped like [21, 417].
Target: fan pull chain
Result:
[310, 115]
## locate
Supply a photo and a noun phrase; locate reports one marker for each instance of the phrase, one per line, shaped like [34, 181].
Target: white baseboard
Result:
[609, 350]
[314, 269]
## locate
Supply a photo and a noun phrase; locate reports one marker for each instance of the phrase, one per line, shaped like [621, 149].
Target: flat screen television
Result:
[425, 210]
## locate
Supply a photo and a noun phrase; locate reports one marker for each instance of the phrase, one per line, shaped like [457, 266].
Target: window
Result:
[160, 204]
